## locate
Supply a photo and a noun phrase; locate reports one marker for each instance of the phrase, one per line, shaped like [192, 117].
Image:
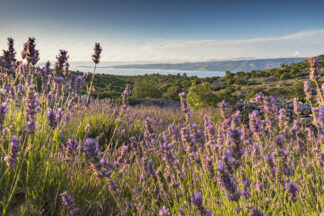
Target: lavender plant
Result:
[129, 164]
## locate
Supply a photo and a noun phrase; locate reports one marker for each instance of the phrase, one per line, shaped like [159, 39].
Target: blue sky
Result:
[183, 30]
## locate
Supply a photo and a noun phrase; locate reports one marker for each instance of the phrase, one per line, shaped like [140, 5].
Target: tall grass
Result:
[95, 157]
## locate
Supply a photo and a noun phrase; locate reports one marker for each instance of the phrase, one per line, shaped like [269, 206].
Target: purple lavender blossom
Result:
[314, 68]
[296, 106]
[259, 187]
[292, 190]
[62, 59]
[66, 71]
[223, 106]
[247, 190]
[91, 149]
[259, 97]
[320, 123]
[97, 52]
[149, 131]
[188, 141]
[228, 182]
[71, 146]
[184, 106]
[68, 202]
[101, 166]
[9, 57]
[236, 121]
[4, 108]
[31, 102]
[51, 116]
[235, 144]
[11, 158]
[256, 212]
[125, 95]
[30, 53]
[280, 140]
[197, 201]
[208, 165]
[282, 118]
[307, 90]
[164, 211]
[256, 123]
[45, 73]
[147, 168]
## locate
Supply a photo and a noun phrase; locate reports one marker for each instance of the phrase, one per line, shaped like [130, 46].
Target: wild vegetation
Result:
[64, 152]
[284, 82]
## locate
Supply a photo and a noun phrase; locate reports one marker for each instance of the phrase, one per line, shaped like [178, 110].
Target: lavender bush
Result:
[80, 156]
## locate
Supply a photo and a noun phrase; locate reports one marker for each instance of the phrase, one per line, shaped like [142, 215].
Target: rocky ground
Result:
[247, 106]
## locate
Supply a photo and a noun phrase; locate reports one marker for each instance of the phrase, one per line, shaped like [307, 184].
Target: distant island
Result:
[228, 65]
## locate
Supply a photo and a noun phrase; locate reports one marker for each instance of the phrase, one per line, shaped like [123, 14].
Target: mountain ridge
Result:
[228, 65]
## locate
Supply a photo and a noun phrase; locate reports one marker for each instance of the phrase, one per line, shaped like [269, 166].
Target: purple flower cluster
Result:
[255, 212]
[46, 74]
[307, 90]
[75, 84]
[314, 74]
[185, 107]
[68, 202]
[292, 190]
[164, 211]
[8, 59]
[54, 117]
[209, 167]
[256, 123]
[197, 201]
[11, 158]
[30, 53]
[71, 146]
[235, 144]
[100, 165]
[31, 103]
[4, 108]
[296, 106]
[61, 61]
[96, 55]
[226, 179]
[223, 106]
[125, 95]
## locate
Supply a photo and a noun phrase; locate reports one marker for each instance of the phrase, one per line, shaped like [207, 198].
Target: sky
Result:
[166, 31]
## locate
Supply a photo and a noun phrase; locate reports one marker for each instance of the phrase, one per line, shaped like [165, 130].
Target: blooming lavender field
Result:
[65, 153]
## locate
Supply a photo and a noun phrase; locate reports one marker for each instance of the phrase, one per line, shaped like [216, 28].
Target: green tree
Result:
[146, 89]
[172, 93]
[201, 96]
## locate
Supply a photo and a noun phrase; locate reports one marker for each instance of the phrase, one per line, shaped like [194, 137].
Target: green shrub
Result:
[201, 96]
[146, 89]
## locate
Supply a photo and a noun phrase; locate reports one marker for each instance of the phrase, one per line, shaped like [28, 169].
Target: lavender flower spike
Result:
[307, 90]
[197, 201]
[11, 158]
[30, 53]
[31, 109]
[68, 202]
[97, 52]
[164, 211]
[314, 74]
[292, 189]
[4, 108]
[184, 106]
[51, 116]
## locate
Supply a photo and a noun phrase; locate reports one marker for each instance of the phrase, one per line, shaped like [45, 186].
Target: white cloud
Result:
[306, 43]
